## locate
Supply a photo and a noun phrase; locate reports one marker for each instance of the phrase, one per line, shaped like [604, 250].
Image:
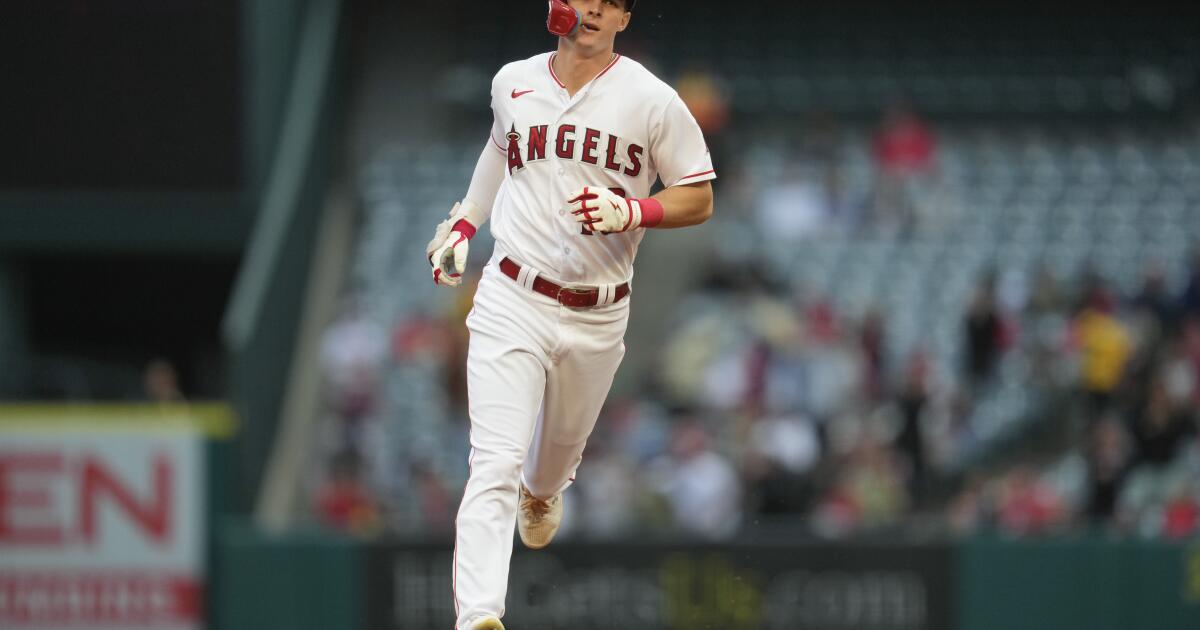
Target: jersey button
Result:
[561, 171]
[561, 212]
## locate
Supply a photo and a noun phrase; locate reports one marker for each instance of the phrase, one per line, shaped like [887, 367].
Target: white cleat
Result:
[538, 520]
[487, 623]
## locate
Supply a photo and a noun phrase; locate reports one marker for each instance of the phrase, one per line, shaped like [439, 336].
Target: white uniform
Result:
[538, 372]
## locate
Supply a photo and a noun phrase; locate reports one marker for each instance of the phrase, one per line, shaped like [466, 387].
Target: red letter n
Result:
[153, 516]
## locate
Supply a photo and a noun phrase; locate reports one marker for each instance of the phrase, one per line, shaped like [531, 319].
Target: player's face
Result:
[601, 21]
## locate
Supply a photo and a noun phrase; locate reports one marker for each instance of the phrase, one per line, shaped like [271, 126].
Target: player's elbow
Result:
[692, 204]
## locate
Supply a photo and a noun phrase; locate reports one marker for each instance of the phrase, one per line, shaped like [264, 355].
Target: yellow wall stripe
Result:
[215, 420]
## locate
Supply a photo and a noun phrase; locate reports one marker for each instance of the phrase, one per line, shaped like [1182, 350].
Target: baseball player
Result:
[580, 135]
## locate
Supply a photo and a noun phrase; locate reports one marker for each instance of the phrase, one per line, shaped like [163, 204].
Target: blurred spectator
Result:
[352, 352]
[421, 338]
[950, 432]
[833, 365]
[983, 332]
[1191, 353]
[1181, 518]
[1154, 300]
[1189, 302]
[1160, 427]
[706, 98]
[798, 205]
[871, 341]
[905, 151]
[781, 454]
[1105, 347]
[701, 487]
[344, 502]
[913, 398]
[868, 490]
[161, 383]
[1045, 325]
[437, 506]
[1027, 504]
[904, 143]
[1108, 461]
[605, 505]
[966, 512]
[1178, 373]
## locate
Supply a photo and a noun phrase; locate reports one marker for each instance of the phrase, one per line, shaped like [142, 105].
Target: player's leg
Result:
[576, 388]
[506, 368]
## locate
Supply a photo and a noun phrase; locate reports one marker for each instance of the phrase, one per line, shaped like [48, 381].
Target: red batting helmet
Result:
[563, 20]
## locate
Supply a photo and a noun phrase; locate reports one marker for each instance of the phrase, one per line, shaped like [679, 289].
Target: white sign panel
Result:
[101, 527]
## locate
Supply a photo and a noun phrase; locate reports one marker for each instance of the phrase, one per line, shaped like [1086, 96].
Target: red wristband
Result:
[652, 212]
[465, 227]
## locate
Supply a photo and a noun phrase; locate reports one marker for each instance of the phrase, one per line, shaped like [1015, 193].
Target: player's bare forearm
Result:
[689, 204]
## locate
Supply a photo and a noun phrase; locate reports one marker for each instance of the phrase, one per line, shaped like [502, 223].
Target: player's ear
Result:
[624, 21]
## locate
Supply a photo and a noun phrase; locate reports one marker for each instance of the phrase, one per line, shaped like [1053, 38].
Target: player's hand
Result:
[447, 251]
[601, 210]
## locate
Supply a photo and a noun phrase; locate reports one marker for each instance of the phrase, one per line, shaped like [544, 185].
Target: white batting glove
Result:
[601, 210]
[447, 251]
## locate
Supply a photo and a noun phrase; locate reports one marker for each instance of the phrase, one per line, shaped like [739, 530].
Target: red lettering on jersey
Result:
[565, 147]
[610, 155]
[591, 140]
[635, 160]
[514, 151]
[537, 143]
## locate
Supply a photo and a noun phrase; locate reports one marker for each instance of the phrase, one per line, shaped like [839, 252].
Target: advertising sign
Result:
[793, 587]
[101, 525]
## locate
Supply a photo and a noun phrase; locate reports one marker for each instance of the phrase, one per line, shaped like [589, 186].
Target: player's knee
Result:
[499, 468]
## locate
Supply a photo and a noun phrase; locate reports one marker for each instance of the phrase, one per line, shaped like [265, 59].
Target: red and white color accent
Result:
[625, 129]
[562, 20]
[538, 371]
[696, 178]
[448, 249]
[602, 211]
[101, 528]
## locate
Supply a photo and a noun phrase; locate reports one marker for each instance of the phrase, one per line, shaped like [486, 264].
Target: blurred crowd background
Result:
[952, 285]
[952, 282]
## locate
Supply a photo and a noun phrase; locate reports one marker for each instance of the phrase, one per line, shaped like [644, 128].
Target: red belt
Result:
[575, 297]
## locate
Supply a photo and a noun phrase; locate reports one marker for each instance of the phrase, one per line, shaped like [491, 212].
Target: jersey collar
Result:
[550, 66]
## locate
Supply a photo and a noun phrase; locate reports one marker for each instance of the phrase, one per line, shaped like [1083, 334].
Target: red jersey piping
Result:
[550, 66]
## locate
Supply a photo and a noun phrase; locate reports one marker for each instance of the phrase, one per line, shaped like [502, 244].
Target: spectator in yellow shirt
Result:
[1105, 347]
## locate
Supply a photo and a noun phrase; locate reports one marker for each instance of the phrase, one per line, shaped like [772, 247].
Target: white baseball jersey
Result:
[623, 130]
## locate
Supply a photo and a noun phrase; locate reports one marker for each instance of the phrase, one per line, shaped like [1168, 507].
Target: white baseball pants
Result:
[537, 375]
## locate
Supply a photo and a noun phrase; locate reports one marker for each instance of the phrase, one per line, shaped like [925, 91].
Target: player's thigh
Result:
[577, 387]
[506, 372]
